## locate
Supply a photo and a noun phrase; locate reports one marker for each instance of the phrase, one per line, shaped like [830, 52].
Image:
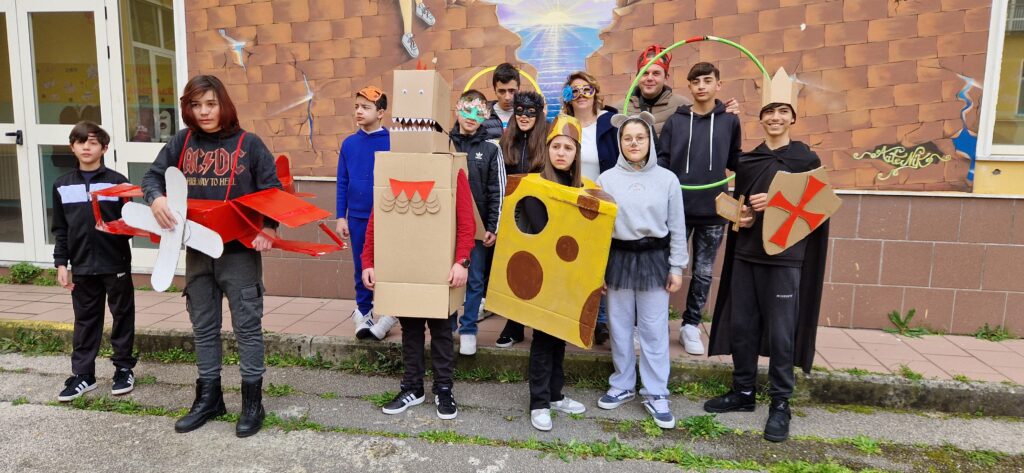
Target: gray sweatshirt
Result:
[650, 204]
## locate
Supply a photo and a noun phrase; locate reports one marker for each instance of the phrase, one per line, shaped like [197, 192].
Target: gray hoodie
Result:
[650, 201]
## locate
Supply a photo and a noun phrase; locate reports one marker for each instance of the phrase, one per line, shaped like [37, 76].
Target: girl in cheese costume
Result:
[646, 263]
[524, 147]
[547, 352]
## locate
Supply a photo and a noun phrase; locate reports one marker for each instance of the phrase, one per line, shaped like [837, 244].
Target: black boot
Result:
[732, 401]
[251, 419]
[777, 427]
[209, 404]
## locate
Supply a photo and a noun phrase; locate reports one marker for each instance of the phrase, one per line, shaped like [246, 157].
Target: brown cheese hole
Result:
[600, 194]
[525, 275]
[588, 206]
[588, 317]
[512, 182]
[567, 248]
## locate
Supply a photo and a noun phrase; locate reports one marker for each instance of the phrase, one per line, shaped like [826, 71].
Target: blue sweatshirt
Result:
[355, 172]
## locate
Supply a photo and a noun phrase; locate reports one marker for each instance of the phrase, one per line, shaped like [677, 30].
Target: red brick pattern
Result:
[875, 71]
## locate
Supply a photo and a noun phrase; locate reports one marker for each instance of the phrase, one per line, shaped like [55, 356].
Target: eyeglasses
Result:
[371, 93]
[573, 93]
[638, 140]
[526, 112]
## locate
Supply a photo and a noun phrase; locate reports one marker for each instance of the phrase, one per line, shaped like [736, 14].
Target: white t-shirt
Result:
[591, 166]
[503, 115]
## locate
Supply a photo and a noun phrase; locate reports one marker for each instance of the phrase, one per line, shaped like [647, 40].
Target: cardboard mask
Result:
[797, 205]
[421, 112]
[551, 280]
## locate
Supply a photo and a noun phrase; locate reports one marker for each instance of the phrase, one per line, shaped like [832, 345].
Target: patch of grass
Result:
[587, 382]
[510, 376]
[289, 361]
[674, 314]
[858, 372]
[865, 444]
[705, 426]
[650, 428]
[24, 273]
[986, 458]
[106, 351]
[993, 334]
[123, 406]
[230, 359]
[576, 416]
[801, 466]
[855, 408]
[910, 374]
[375, 363]
[380, 399]
[624, 426]
[144, 287]
[328, 395]
[902, 325]
[173, 355]
[47, 278]
[145, 379]
[962, 378]
[289, 424]
[32, 342]
[173, 288]
[702, 389]
[477, 374]
[19, 401]
[278, 390]
[705, 317]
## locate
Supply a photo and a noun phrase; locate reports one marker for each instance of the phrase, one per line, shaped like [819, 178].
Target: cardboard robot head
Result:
[421, 112]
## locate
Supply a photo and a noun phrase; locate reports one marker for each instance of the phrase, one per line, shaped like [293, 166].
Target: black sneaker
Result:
[124, 382]
[506, 341]
[601, 333]
[777, 427]
[731, 401]
[446, 407]
[76, 386]
[403, 401]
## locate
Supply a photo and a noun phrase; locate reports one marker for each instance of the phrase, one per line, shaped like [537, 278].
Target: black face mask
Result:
[528, 112]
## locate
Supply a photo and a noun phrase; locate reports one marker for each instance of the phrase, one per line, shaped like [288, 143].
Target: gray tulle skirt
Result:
[642, 270]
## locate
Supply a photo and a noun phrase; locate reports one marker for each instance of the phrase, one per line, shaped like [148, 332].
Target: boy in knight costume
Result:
[771, 293]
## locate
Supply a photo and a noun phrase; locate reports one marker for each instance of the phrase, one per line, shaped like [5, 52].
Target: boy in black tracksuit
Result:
[698, 143]
[101, 263]
[487, 181]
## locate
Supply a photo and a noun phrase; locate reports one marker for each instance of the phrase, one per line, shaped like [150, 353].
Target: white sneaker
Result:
[380, 329]
[568, 406]
[467, 344]
[363, 324]
[689, 336]
[541, 419]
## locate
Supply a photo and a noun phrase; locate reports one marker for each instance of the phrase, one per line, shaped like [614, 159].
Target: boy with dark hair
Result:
[505, 81]
[355, 199]
[101, 263]
[769, 304]
[698, 143]
[487, 181]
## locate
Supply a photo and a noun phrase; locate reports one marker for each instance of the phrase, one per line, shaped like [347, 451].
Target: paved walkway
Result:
[838, 348]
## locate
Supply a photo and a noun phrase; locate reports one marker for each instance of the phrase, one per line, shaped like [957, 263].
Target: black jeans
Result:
[764, 297]
[546, 376]
[442, 352]
[706, 239]
[87, 299]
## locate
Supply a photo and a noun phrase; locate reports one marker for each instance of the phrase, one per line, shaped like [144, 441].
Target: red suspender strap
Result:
[234, 162]
[181, 157]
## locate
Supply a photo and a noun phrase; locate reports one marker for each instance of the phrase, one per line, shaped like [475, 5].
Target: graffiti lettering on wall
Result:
[901, 157]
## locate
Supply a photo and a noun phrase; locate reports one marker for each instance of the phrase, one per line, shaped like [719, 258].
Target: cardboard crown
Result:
[781, 89]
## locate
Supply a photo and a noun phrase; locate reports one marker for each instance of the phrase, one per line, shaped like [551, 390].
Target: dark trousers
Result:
[357, 230]
[87, 299]
[238, 275]
[706, 240]
[764, 297]
[546, 376]
[442, 351]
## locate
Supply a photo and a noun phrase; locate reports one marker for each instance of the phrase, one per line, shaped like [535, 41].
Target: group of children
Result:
[626, 156]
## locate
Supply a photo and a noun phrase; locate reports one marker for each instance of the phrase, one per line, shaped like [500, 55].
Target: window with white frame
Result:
[148, 52]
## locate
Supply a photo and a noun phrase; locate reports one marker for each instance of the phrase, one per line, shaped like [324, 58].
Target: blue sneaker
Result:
[657, 406]
[615, 398]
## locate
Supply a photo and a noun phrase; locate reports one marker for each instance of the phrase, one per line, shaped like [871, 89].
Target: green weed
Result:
[805, 467]
[587, 382]
[47, 278]
[705, 426]
[146, 379]
[650, 428]
[910, 374]
[278, 390]
[702, 389]
[510, 376]
[902, 324]
[375, 363]
[962, 378]
[865, 444]
[328, 395]
[292, 423]
[477, 374]
[32, 342]
[380, 399]
[576, 416]
[24, 273]
[858, 372]
[993, 334]
[173, 355]
[986, 458]
[230, 359]
[674, 314]
[19, 401]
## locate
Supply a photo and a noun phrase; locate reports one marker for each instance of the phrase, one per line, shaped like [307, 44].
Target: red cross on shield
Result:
[797, 205]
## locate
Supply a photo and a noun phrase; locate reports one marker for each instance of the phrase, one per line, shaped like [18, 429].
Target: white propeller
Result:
[187, 232]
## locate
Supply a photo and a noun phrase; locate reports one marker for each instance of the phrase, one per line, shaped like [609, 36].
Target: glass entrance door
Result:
[16, 242]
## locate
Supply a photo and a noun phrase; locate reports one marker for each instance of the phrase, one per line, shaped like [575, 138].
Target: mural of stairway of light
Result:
[557, 36]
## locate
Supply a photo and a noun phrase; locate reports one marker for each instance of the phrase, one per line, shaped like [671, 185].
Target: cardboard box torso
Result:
[414, 233]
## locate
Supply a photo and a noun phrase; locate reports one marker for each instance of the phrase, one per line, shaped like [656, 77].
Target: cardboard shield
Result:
[797, 205]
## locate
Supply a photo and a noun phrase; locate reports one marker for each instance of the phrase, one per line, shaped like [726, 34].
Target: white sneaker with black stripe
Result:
[403, 401]
[76, 386]
[124, 382]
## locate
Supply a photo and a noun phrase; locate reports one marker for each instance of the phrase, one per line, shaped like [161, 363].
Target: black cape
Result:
[754, 173]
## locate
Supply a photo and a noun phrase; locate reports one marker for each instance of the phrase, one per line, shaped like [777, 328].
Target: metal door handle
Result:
[19, 137]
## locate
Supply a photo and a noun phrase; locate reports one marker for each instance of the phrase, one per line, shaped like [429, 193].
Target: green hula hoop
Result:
[636, 81]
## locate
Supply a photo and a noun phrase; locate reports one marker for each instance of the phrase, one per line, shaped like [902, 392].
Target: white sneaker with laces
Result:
[541, 419]
[689, 336]
[568, 406]
[362, 322]
[467, 344]
[380, 329]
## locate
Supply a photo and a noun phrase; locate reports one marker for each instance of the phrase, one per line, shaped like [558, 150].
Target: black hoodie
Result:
[486, 173]
[698, 149]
